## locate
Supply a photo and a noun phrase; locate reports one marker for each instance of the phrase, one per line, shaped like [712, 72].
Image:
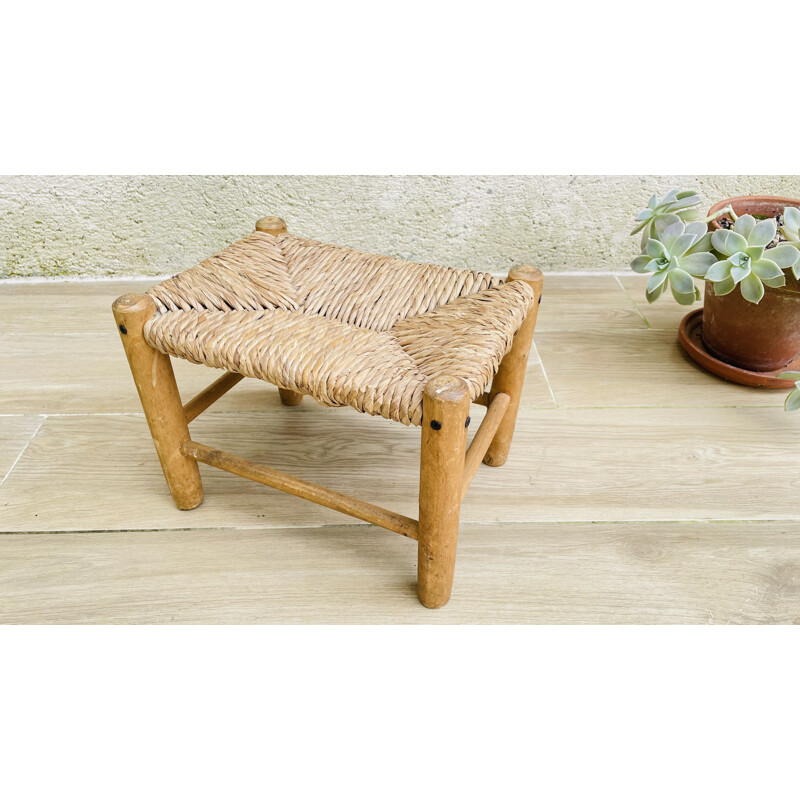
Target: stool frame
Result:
[447, 466]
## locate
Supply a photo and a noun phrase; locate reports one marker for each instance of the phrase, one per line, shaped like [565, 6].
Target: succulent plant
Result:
[680, 254]
[675, 205]
[793, 399]
[745, 261]
[791, 230]
[743, 253]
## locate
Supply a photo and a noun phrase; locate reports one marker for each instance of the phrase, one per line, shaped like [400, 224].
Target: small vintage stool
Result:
[415, 343]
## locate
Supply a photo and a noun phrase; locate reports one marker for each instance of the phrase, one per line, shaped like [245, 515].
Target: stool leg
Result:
[290, 398]
[274, 226]
[158, 392]
[445, 408]
[511, 374]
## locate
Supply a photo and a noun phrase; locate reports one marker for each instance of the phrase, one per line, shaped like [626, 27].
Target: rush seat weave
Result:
[344, 327]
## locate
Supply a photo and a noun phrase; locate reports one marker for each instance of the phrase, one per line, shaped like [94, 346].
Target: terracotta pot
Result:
[763, 337]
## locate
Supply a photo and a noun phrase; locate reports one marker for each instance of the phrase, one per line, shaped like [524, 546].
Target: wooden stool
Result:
[416, 343]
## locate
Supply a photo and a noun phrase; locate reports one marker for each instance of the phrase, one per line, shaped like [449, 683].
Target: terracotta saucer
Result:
[690, 337]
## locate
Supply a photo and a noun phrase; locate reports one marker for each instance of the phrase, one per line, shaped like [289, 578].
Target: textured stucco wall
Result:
[112, 225]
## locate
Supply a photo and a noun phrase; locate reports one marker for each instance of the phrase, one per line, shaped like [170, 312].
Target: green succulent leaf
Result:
[791, 224]
[740, 273]
[656, 279]
[656, 249]
[784, 255]
[661, 223]
[698, 264]
[767, 270]
[686, 299]
[789, 375]
[739, 259]
[677, 204]
[670, 234]
[682, 244]
[724, 287]
[744, 225]
[791, 216]
[685, 199]
[793, 400]
[702, 245]
[763, 233]
[775, 283]
[685, 204]
[721, 271]
[681, 282]
[698, 229]
[667, 234]
[640, 263]
[728, 242]
[752, 288]
[656, 293]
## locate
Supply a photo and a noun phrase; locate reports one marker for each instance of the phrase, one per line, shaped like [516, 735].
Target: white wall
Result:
[111, 225]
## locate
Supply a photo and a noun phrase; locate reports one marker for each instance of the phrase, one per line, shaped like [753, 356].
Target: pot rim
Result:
[750, 199]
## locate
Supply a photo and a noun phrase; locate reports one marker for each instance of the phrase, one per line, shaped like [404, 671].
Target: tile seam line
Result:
[467, 526]
[544, 371]
[525, 406]
[646, 322]
[42, 420]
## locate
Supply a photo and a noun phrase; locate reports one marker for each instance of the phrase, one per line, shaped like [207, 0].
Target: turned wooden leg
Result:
[273, 226]
[158, 392]
[511, 374]
[445, 409]
[290, 398]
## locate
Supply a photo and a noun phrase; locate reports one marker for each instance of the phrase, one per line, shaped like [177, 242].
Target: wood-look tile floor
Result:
[639, 488]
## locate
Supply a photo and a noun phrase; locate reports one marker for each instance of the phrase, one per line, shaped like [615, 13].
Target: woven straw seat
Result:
[392, 338]
[344, 327]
